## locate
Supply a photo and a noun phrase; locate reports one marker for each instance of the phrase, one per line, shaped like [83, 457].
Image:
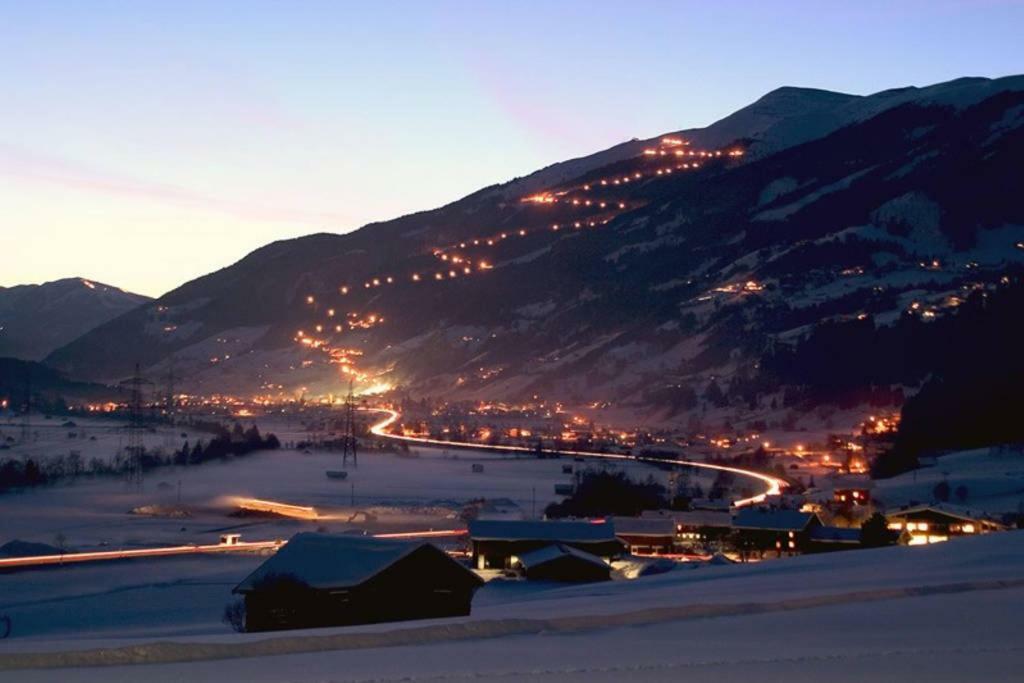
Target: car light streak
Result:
[274, 507]
[69, 558]
[774, 484]
[434, 533]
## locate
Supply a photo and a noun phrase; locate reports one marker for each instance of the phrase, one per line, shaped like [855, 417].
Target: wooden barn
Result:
[498, 544]
[783, 530]
[560, 562]
[320, 580]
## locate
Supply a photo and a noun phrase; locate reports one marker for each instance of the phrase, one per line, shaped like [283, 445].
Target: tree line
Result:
[226, 443]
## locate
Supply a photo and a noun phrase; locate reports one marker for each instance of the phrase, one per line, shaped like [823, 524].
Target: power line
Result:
[136, 424]
[349, 443]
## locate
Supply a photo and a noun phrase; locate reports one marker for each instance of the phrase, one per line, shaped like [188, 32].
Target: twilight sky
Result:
[146, 143]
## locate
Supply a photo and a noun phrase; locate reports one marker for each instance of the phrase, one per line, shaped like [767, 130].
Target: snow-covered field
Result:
[993, 481]
[942, 612]
[425, 488]
[947, 612]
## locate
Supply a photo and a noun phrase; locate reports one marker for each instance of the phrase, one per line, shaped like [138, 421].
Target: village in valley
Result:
[574, 343]
[409, 509]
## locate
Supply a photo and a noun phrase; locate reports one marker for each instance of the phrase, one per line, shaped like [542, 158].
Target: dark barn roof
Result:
[655, 527]
[835, 534]
[766, 519]
[330, 561]
[554, 531]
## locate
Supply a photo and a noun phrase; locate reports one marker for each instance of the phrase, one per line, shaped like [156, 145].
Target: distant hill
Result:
[633, 277]
[36, 319]
[48, 386]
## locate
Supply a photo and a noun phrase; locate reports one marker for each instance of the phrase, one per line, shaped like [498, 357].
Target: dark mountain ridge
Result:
[841, 207]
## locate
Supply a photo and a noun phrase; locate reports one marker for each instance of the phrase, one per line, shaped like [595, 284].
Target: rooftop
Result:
[575, 531]
[325, 561]
[772, 519]
[555, 551]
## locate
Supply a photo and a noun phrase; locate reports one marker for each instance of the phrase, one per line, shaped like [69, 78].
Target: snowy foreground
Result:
[948, 612]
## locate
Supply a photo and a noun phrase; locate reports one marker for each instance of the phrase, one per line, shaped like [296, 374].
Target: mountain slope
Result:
[36, 319]
[639, 275]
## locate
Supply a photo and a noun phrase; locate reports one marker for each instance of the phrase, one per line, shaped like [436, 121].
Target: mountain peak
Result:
[35, 319]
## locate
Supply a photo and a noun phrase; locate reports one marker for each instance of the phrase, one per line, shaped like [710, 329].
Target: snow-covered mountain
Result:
[643, 274]
[36, 319]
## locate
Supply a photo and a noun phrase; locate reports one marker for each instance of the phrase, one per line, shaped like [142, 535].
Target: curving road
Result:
[773, 485]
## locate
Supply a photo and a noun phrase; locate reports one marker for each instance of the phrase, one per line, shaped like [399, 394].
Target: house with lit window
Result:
[646, 535]
[783, 530]
[695, 527]
[851, 497]
[938, 522]
[499, 543]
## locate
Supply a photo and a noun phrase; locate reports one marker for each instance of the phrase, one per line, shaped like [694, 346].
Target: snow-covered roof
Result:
[954, 511]
[333, 560]
[554, 531]
[644, 526]
[699, 518]
[692, 518]
[772, 519]
[555, 551]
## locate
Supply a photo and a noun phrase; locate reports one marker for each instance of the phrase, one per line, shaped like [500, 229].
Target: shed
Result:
[498, 544]
[559, 562]
[337, 580]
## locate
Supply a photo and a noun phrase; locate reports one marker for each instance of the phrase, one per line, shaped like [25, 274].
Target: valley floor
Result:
[948, 612]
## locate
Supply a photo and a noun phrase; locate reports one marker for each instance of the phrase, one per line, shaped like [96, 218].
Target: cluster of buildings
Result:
[319, 579]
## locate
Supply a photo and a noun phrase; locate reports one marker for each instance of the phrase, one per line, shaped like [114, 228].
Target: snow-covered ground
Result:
[993, 481]
[387, 492]
[942, 612]
[947, 612]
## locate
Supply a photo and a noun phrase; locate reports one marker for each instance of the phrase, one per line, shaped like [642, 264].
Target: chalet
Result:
[695, 526]
[337, 580]
[559, 562]
[849, 491]
[703, 526]
[498, 544]
[646, 535]
[780, 529]
[939, 522]
[846, 498]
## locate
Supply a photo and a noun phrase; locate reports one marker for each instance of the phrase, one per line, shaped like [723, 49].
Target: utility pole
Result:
[170, 407]
[25, 423]
[349, 443]
[169, 402]
[136, 425]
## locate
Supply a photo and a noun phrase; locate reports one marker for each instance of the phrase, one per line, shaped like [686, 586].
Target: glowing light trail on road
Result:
[774, 484]
[69, 558]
